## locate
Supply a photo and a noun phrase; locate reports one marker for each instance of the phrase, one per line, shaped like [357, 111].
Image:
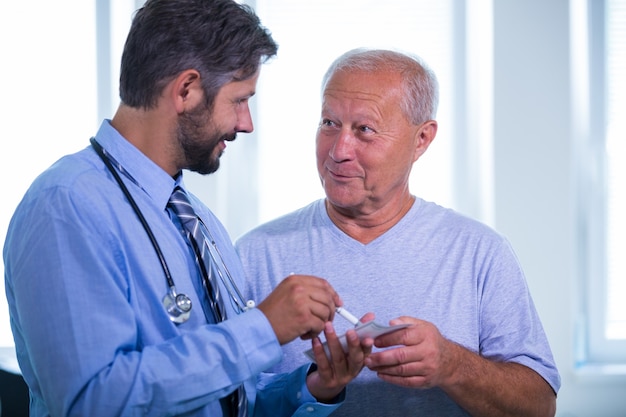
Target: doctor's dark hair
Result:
[222, 40]
[421, 88]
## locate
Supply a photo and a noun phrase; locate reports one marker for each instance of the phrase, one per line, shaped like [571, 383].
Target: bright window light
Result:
[616, 169]
[310, 36]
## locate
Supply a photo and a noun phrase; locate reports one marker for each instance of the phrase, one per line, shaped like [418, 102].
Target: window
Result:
[616, 170]
[289, 89]
[277, 162]
[599, 96]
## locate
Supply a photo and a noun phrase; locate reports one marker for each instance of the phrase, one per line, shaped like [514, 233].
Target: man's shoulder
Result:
[286, 224]
[71, 178]
[445, 218]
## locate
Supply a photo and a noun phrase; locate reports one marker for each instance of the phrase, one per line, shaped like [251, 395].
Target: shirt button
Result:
[299, 395]
[310, 409]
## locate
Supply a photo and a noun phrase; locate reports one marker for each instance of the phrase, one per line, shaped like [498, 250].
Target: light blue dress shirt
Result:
[84, 287]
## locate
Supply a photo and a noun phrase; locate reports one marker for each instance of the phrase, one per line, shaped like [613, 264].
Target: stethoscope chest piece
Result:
[178, 306]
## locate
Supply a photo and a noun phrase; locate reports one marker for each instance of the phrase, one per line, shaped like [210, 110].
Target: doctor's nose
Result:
[244, 121]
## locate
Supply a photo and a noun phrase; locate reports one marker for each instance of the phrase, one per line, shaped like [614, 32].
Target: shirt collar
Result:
[151, 178]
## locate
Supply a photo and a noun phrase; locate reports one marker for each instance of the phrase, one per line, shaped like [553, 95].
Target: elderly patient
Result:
[475, 344]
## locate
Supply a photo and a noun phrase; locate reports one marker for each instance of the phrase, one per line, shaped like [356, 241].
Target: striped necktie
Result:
[180, 205]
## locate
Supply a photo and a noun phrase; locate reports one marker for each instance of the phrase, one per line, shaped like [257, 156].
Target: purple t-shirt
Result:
[434, 264]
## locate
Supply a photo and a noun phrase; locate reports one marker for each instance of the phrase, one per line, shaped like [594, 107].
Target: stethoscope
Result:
[178, 306]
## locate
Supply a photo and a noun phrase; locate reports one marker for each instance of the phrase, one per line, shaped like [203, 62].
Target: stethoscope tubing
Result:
[142, 219]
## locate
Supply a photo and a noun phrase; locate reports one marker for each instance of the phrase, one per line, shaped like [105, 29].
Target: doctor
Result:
[117, 309]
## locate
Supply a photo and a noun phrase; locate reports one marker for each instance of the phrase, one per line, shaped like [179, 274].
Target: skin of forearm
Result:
[486, 388]
[322, 394]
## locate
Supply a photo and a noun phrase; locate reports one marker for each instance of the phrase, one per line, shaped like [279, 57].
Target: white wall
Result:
[534, 180]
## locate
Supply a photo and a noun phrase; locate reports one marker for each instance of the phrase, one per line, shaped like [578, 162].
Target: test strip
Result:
[347, 315]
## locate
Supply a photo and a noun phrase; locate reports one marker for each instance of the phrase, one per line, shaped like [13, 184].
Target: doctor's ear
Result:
[186, 90]
[425, 136]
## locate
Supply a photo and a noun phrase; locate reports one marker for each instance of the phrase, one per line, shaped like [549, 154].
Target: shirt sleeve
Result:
[287, 394]
[82, 345]
[511, 330]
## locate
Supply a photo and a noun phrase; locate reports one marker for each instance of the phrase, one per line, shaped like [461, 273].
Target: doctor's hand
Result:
[299, 307]
[419, 356]
[335, 371]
